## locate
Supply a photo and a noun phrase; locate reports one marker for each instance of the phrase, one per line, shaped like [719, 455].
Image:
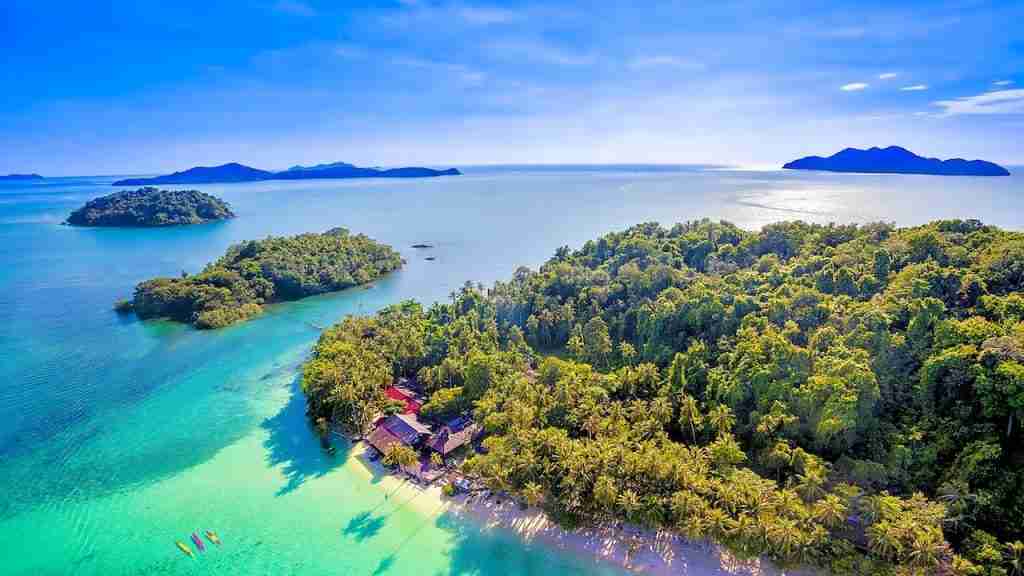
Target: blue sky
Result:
[149, 86]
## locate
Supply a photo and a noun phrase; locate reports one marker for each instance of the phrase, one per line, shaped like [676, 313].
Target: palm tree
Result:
[884, 540]
[629, 503]
[400, 455]
[533, 493]
[830, 511]
[721, 419]
[436, 460]
[927, 547]
[661, 410]
[811, 484]
[689, 415]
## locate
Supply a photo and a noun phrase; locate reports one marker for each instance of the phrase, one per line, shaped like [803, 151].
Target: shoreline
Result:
[628, 548]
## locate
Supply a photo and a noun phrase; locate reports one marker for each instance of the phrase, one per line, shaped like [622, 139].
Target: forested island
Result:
[15, 177]
[235, 172]
[150, 207]
[848, 397]
[895, 160]
[258, 272]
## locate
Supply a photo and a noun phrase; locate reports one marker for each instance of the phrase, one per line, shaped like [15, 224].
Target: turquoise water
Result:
[118, 437]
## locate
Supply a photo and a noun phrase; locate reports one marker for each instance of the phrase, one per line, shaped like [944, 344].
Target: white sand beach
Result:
[627, 547]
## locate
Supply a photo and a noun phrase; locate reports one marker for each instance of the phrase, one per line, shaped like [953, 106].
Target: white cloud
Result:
[464, 74]
[995, 102]
[294, 7]
[853, 87]
[485, 16]
[665, 62]
[887, 75]
[914, 88]
[540, 52]
[1003, 82]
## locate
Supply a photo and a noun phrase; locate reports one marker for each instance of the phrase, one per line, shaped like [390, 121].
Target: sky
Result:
[146, 86]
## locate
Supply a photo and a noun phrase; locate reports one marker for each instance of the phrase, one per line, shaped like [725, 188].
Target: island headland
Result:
[821, 395]
[258, 272]
[895, 160]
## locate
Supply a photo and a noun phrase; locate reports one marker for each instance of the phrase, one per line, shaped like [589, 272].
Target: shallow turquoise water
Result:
[118, 437]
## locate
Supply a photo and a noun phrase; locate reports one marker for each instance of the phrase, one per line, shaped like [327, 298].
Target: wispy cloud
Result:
[1003, 82]
[350, 52]
[464, 74]
[853, 86]
[294, 7]
[888, 75]
[540, 52]
[914, 88]
[994, 102]
[486, 16]
[663, 61]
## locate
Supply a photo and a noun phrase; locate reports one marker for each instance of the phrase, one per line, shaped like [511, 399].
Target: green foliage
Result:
[846, 396]
[254, 273]
[149, 207]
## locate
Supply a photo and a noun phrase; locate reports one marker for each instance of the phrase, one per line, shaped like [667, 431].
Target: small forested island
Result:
[150, 207]
[895, 160]
[849, 397]
[235, 172]
[20, 177]
[258, 272]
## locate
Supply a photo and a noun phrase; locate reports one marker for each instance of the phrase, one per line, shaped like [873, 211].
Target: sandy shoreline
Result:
[628, 548]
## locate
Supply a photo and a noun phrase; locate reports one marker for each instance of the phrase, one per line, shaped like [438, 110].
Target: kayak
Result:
[184, 548]
[212, 537]
[198, 542]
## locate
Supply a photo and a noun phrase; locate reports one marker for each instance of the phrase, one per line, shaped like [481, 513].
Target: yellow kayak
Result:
[212, 537]
[184, 548]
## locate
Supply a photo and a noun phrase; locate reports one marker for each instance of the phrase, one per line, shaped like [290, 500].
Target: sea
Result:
[119, 437]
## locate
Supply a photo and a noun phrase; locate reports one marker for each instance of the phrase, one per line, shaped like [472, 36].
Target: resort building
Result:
[411, 400]
[453, 435]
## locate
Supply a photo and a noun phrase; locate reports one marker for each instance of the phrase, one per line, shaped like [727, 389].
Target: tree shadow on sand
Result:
[476, 551]
[363, 526]
[292, 444]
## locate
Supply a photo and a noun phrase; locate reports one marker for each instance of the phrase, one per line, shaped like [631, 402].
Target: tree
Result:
[400, 456]
[532, 493]
[689, 415]
[597, 343]
[721, 419]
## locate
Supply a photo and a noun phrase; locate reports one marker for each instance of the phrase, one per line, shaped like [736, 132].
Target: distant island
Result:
[258, 272]
[20, 177]
[234, 172]
[150, 207]
[895, 160]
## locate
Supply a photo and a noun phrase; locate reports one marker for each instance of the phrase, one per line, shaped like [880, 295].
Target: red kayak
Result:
[198, 542]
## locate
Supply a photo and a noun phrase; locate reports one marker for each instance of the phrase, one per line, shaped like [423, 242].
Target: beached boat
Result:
[184, 548]
[212, 537]
[198, 542]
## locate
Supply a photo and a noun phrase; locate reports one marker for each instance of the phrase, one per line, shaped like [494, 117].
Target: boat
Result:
[212, 537]
[184, 548]
[198, 542]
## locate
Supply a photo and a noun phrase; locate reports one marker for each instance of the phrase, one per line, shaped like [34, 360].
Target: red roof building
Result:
[412, 406]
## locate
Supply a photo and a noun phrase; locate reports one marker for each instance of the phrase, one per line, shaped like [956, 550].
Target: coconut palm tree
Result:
[689, 415]
[532, 493]
[400, 455]
[830, 511]
[721, 419]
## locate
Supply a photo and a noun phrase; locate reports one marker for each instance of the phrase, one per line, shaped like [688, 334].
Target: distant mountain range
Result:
[896, 160]
[21, 177]
[235, 172]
